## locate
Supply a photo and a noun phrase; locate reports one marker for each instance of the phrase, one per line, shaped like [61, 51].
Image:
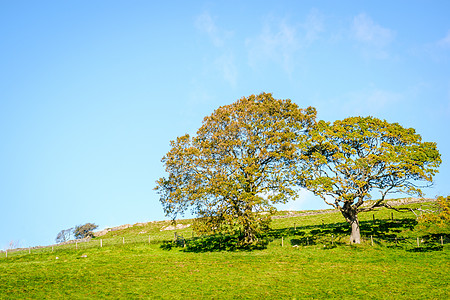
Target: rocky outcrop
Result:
[105, 231]
[173, 227]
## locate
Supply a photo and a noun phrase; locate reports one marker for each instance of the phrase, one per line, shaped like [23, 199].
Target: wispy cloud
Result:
[224, 64]
[313, 26]
[445, 42]
[370, 101]
[227, 67]
[280, 41]
[205, 23]
[371, 36]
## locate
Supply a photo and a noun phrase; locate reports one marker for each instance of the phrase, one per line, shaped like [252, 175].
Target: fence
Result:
[291, 236]
[83, 245]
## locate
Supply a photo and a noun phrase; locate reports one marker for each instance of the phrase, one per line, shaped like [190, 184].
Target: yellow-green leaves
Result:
[350, 158]
[243, 159]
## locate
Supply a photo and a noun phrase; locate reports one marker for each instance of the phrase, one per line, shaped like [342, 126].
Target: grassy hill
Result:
[306, 256]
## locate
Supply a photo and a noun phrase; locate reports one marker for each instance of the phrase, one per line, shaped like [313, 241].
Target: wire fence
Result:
[418, 244]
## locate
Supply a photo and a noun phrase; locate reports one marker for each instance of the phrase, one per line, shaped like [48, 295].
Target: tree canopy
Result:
[243, 160]
[348, 159]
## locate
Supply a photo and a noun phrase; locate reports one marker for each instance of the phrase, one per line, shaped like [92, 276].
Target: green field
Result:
[315, 261]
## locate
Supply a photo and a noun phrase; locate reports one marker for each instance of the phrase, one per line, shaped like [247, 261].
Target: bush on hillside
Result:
[64, 235]
[86, 230]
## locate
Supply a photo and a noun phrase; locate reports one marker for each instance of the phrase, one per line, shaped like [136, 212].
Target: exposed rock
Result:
[178, 226]
[105, 231]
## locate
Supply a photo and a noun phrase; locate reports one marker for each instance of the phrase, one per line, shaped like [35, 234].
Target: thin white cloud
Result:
[367, 31]
[373, 101]
[371, 36]
[206, 24]
[313, 26]
[445, 42]
[226, 66]
[280, 41]
[224, 63]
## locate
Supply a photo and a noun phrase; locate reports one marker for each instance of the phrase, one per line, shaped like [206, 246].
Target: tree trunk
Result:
[351, 216]
[249, 236]
[355, 237]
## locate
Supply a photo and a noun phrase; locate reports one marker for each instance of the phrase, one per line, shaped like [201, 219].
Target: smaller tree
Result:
[64, 235]
[86, 230]
[347, 160]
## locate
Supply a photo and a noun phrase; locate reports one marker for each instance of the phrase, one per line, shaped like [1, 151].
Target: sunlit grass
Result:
[138, 269]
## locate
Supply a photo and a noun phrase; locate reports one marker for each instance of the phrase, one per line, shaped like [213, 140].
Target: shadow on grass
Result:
[213, 243]
[384, 233]
[427, 248]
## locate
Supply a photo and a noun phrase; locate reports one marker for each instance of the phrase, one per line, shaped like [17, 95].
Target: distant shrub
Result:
[64, 235]
[438, 219]
[86, 230]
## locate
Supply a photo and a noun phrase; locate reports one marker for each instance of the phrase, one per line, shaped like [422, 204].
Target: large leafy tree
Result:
[350, 158]
[241, 162]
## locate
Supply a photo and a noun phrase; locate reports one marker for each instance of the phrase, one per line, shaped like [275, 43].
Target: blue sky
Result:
[92, 92]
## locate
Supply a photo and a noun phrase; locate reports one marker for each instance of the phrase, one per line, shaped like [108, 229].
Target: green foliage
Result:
[439, 218]
[241, 162]
[350, 158]
[83, 231]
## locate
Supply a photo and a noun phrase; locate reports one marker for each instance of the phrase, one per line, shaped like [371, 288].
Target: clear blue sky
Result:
[92, 92]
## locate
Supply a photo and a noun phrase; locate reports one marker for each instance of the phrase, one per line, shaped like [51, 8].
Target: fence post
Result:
[395, 241]
[307, 241]
[123, 240]
[52, 248]
[418, 243]
[149, 239]
[373, 217]
[295, 227]
[332, 239]
[392, 216]
[282, 241]
[442, 241]
[371, 240]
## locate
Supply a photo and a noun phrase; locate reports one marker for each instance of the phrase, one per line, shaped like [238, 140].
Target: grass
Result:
[143, 270]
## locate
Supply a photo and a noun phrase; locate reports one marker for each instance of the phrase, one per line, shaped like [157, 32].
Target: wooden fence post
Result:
[418, 243]
[295, 227]
[371, 240]
[442, 241]
[149, 239]
[332, 239]
[123, 240]
[282, 241]
[307, 241]
[392, 216]
[101, 243]
[52, 248]
[373, 217]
